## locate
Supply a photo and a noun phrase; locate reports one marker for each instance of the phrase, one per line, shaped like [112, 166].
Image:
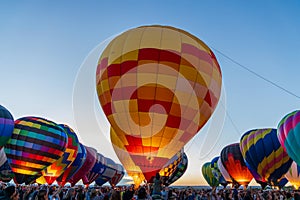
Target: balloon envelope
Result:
[35, 144]
[96, 171]
[74, 167]
[216, 172]
[118, 175]
[170, 167]
[109, 172]
[208, 175]
[224, 171]
[264, 156]
[179, 171]
[288, 133]
[158, 86]
[6, 125]
[52, 172]
[293, 175]
[234, 164]
[91, 156]
[6, 174]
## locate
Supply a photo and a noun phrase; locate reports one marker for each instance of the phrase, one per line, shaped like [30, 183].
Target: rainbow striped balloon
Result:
[35, 144]
[288, 133]
[6, 125]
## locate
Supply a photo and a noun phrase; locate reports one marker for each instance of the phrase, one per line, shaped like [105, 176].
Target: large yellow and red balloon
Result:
[158, 86]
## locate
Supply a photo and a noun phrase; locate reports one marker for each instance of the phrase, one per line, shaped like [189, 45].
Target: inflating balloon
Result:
[288, 133]
[293, 175]
[6, 125]
[91, 156]
[179, 171]
[35, 144]
[52, 172]
[264, 156]
[109, 172]
[118, 175]
[170, 167]
[158, 86]
[208, 175]
[224, 172]
[74, 167]
[6, 174]
[234, 164]
[96, 171]
[216, 172]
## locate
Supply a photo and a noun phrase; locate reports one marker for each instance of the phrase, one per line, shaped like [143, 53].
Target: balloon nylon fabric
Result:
[158, 86]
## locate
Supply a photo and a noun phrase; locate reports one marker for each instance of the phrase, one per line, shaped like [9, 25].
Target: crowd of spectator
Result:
[146, 192]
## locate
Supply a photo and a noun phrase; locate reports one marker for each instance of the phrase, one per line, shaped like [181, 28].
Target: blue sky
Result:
[45, 45]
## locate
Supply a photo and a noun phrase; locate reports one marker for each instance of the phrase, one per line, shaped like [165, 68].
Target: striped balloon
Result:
[91, 156]
[74, 167]
[208, 175]
[35, 144]
[179, 171]
[6, 174]
[158, 86]
[216, 172]
[6, 125]
[118, 175]
[96, 171]
[288, 133]
[264, 156]
[109, 172]
[53, 171]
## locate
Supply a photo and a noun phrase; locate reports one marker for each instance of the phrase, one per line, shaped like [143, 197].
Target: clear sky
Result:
[48, 50]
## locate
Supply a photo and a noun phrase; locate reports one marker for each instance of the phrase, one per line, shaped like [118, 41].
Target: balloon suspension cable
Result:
[256, 74]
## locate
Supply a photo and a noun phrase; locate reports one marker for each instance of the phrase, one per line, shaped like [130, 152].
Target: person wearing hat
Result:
[9, 193]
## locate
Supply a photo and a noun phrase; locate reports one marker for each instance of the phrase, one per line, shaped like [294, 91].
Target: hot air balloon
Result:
[288, 133]
[234, 164]
[216, 172]
[118, 175]
[74, 167]
[52, 172]
[170, 167]
[293, 175]
[109, 172]
[223, 171]
[208, 175]
[91, 156]
[264, 156]
[6, 174]
[179, 170]
[35, 144]
[6, 125]
[158, 86]
[96, 171]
